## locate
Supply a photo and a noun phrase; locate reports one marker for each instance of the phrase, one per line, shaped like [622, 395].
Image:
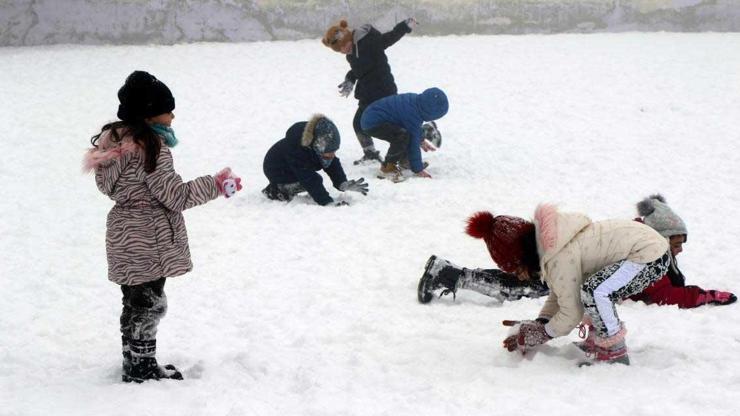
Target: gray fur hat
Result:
[657, 214]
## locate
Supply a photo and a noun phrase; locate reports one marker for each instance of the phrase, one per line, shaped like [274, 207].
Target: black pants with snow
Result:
[501, 285]
[143, 307]
[602, 290]
[365, 141]
[398, 138]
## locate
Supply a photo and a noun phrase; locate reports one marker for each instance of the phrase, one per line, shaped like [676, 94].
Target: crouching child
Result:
[398, 120]
[291, 164]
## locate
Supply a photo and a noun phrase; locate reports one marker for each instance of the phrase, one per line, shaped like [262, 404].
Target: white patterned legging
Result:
[617, 281]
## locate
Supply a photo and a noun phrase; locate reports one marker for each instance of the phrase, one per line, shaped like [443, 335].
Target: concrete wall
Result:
[39, 22]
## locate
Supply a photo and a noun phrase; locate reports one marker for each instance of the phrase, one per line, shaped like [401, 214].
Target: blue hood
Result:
[432, 104]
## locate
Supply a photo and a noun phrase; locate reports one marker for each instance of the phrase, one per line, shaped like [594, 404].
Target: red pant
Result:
[663, 292]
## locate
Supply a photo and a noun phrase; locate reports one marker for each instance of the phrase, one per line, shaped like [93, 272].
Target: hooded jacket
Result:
[409, 111]
[572, 247]
[292, 159]
[369, 64]
[145, 236]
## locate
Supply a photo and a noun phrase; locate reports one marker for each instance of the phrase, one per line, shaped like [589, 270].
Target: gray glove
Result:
[346, 87]
[355, 186]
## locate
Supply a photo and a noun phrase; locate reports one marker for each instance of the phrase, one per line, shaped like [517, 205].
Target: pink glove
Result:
[228, 183]
[530, 335]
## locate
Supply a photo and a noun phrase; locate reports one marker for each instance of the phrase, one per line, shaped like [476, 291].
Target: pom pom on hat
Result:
[509, 239]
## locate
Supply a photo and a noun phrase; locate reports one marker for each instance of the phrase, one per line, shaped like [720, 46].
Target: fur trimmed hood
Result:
[108, 150]
[321, 134]
[556, 229]
[308, 131]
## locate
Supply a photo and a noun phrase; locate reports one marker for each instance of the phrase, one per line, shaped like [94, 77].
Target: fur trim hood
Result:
[308, 131]
[556, 229]
[108, 150]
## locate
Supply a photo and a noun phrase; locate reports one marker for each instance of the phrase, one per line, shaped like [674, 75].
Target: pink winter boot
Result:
[612, 349]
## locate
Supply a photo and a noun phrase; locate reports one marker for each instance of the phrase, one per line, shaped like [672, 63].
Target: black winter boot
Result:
[144, 365]
[126, 365]
[438, 274]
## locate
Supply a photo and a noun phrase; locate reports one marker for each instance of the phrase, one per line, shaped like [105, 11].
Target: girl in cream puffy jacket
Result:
[588, 266]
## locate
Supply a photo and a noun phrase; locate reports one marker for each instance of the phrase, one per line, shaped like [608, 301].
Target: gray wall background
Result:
[42, 22]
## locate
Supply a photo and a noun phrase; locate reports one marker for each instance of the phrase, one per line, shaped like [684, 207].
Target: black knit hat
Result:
[143, 96]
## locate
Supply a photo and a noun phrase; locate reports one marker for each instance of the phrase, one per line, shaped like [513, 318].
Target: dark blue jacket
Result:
[288, 161]
[409, 111]
[369, 64]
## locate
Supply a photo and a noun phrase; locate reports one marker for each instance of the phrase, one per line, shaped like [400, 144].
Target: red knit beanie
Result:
[506, 238]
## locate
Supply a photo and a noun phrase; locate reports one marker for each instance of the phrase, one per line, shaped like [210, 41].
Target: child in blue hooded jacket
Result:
[398, 120]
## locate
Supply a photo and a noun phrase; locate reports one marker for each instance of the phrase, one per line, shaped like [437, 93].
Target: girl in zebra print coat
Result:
[146, 240]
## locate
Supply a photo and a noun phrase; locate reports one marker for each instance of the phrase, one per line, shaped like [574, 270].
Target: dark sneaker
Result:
[369, 157]
[276, 193]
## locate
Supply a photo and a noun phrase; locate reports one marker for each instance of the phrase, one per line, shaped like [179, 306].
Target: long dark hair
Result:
[531, 258]
[142, 134]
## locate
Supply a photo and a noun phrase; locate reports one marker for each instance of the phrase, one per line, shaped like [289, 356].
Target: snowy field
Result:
[297, 309]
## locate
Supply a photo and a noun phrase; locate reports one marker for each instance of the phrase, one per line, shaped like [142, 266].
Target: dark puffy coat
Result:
[290, 160]
[369, 64]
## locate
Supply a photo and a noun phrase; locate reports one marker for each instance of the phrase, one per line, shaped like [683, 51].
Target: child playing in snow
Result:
[671, 289]
[398, 120]
[364, 49]
[587, 265]
[291, 164]
[146, 241]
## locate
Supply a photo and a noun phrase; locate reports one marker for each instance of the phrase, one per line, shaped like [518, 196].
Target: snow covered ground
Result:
[296, 309]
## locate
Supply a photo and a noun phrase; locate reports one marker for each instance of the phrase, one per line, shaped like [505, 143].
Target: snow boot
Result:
[438, 274]
[369, 157]
[144, 365]
[392, 172]
[126, 364]
[610, 350]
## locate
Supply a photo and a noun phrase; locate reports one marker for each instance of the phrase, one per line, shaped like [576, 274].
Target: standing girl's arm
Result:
[169, 189]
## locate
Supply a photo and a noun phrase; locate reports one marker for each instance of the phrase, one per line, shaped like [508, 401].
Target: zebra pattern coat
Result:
[146, 237]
